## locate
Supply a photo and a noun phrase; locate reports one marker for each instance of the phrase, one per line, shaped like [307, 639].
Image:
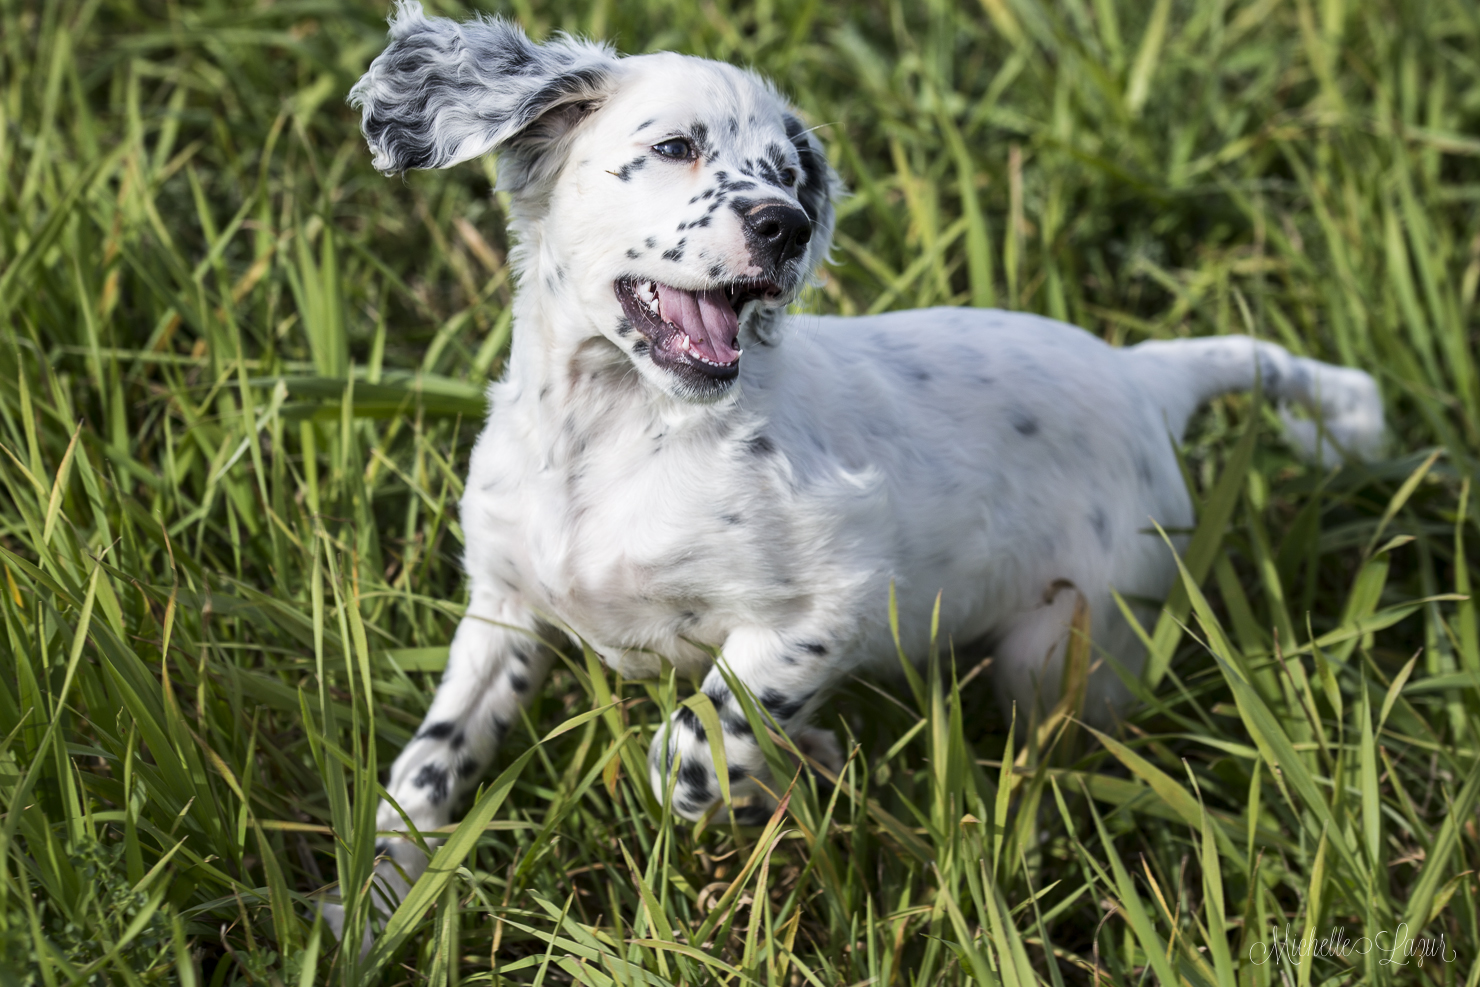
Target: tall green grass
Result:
[240, 374]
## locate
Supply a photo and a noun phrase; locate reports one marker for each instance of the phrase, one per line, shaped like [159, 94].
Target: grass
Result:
[240, 375]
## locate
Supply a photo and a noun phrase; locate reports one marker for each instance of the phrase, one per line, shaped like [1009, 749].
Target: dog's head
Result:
[678, 202]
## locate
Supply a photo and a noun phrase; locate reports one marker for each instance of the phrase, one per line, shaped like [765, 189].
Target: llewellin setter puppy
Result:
[673, 464]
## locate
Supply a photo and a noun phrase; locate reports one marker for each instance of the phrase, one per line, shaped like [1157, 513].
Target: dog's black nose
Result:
[778, 232]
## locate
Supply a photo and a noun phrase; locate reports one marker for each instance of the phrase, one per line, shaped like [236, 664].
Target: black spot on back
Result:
[1098, 521]
[761, 446]
[913, 371]
[437, 731]
[1025, 423]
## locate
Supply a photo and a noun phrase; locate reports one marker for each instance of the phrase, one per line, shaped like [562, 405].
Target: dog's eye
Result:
[676, 148]
[789, 177]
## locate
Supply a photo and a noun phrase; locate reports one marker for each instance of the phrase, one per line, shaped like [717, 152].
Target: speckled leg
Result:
[789, 675]
[495, 665]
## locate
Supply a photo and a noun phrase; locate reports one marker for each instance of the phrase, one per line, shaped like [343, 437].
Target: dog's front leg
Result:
[495, 665]
[789, 675]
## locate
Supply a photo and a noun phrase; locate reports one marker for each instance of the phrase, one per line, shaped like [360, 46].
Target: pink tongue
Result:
[706, 317]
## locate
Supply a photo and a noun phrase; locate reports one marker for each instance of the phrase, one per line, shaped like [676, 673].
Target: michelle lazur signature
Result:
[1395, 948]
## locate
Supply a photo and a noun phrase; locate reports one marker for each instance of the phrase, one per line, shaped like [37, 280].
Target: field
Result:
[241, 372]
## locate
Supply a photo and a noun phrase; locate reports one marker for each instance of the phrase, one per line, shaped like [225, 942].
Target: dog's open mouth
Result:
[692, 329]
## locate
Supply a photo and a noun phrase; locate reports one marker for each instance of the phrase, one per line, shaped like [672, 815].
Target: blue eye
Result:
[677, 148]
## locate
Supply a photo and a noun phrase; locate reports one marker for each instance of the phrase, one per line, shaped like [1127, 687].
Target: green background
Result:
[240, 373]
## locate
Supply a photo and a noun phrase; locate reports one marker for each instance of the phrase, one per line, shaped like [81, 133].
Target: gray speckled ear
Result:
[444, 92]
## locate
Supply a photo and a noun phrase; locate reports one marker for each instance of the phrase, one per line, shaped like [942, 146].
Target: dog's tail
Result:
[1346, 408]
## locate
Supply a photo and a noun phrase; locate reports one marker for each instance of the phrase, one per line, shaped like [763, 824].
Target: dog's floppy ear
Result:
[444, 92]
[818, 187]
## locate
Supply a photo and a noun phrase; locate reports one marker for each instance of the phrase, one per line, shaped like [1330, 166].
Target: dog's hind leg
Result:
[1031, 650]
[495, 665]
[789, 679]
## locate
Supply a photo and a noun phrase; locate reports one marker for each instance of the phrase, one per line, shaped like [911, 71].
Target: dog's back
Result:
[983, 455]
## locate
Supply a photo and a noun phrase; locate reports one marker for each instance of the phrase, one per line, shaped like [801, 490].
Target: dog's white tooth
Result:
[685, 342]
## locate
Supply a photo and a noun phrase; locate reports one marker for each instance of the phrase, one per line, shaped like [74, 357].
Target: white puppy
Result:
[643, 485]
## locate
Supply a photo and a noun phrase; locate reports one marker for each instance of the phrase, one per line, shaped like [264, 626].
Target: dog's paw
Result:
[754, 810]
[400, 862]
[820, 746]
[823, 759]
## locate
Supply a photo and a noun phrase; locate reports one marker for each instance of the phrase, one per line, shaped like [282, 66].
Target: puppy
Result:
[672, 464]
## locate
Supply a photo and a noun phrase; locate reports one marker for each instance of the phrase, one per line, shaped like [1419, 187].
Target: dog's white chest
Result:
[635, 538]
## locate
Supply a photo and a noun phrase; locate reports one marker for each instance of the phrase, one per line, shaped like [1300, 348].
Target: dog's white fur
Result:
[990, 456]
